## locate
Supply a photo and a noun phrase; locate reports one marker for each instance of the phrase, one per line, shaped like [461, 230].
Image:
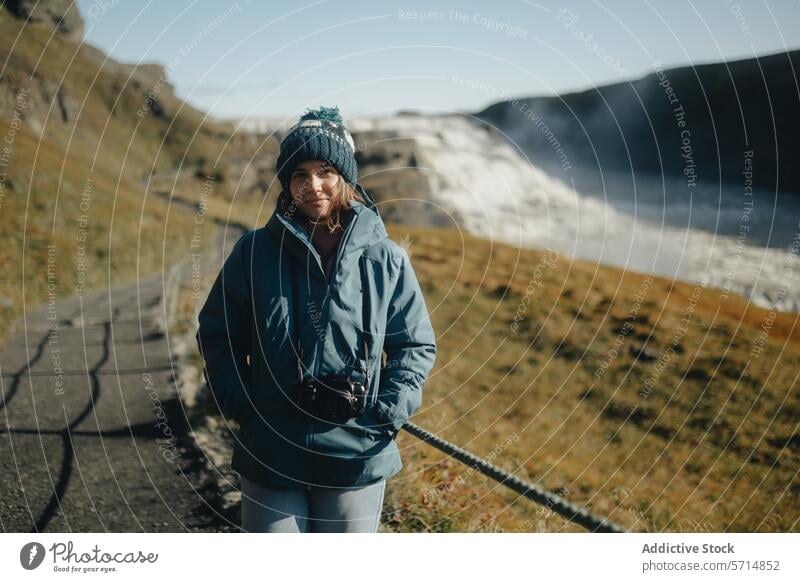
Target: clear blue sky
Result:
[262, 58]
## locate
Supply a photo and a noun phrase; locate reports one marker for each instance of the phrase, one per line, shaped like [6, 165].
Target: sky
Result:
[252, 59]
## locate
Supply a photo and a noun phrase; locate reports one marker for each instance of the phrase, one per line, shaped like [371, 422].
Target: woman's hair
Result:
[341, 202]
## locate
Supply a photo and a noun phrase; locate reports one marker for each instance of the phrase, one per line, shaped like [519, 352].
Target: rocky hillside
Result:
[94, 150]
[61, 15]
[699, 119]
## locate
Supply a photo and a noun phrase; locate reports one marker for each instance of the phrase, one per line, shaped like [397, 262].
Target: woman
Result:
[293, 334]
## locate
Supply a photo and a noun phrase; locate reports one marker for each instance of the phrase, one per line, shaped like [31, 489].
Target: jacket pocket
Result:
[373, 428]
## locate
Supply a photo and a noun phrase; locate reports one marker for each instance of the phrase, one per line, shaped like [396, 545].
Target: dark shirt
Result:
[327, 242]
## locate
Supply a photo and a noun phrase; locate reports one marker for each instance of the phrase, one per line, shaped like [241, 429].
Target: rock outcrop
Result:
[62, 15]
[695, 121]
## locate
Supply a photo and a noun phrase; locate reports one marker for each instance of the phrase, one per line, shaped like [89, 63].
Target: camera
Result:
[333, 397]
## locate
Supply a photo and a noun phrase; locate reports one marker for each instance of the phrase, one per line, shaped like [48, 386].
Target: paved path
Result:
[92, 434]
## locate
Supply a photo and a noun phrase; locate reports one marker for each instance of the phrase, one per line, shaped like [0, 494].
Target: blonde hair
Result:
[346, 194]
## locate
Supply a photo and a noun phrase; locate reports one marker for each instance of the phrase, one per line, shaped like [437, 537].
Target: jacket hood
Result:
[365, 229]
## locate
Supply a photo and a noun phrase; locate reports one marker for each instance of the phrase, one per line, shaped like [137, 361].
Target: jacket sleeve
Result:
[410, 347]
[223, 336]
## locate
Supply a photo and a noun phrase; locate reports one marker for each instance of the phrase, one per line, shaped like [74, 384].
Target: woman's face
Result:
[314, 185]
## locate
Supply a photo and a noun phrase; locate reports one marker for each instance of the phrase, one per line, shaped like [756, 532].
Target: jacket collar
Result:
[364, 229]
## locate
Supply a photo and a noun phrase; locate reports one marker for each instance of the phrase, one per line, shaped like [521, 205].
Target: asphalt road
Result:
[92, 433]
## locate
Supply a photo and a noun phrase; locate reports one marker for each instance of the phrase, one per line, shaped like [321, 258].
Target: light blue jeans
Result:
[311, 509]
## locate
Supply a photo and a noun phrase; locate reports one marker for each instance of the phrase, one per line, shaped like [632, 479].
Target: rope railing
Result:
[557, 504]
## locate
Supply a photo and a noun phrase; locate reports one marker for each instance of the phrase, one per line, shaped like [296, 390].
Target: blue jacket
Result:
[249, 311]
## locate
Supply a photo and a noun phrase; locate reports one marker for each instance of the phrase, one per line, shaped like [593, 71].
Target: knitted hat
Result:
[320, 134]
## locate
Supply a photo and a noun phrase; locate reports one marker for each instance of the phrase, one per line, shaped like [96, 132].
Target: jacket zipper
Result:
[372, 396]
[326, 300]
[340, 250]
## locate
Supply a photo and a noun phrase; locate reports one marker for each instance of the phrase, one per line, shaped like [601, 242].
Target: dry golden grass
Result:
[79, 140]
[125, 236]
[712, 445]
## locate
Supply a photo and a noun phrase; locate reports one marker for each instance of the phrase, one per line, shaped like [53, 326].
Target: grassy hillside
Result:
[578, 391]
[83, 136]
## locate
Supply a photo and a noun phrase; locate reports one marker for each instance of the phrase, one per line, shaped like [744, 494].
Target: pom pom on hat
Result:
[323, 113]
[319, 134]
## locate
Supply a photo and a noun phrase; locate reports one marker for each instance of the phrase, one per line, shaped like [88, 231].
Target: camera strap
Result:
[295, 317]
